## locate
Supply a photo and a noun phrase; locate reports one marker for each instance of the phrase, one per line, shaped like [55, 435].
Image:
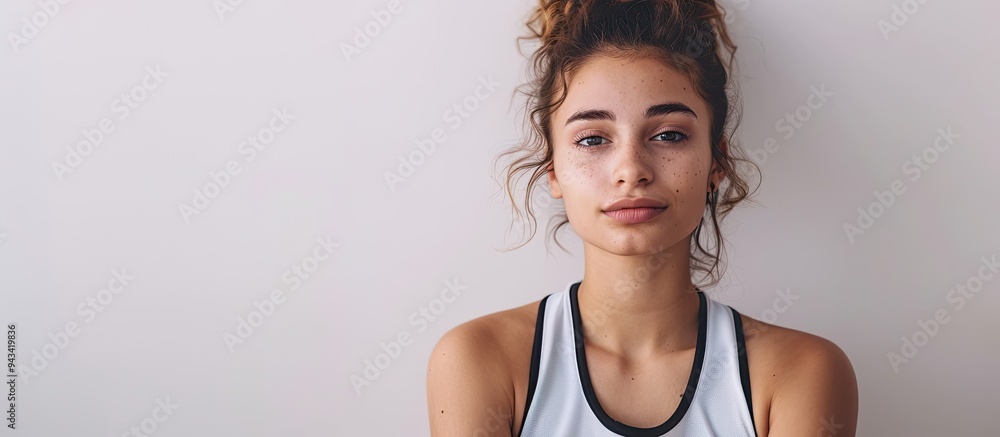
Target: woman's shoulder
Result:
[500, 335]
[481, 365]
[788, 348]
[794, 367]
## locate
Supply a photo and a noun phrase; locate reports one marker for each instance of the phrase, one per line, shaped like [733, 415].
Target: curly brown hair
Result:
[689, 35]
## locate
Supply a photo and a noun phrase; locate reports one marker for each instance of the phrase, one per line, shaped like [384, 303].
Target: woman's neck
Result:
[640, 305]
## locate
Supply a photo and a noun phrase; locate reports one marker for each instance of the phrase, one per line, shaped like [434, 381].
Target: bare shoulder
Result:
[808, 381]
[473, 370]
[499, 335]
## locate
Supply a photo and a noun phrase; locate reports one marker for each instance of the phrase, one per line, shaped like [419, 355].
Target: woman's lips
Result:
[630, 216]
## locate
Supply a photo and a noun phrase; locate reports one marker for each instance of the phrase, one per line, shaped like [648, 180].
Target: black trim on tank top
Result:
[588, 388]
[536, 356]
[741, 351]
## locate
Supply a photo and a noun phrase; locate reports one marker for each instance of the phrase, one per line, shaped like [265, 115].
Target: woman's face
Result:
[630, 129]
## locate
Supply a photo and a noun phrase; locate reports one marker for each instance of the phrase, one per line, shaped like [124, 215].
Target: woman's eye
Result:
[584, 140]
[595, 140]
[672, 136]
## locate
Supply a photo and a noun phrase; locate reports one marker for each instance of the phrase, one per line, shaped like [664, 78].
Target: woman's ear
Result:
[718, 173]
[553, 182]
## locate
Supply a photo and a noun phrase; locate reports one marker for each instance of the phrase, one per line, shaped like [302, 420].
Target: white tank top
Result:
[561, 399]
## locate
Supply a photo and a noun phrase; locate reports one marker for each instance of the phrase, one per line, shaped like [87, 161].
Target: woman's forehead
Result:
[627, 87]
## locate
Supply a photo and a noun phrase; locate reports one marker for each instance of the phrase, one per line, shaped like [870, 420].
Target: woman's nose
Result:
[632, 164]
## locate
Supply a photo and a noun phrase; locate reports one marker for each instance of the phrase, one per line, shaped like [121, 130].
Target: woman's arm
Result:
[469, 391]
[817, 394]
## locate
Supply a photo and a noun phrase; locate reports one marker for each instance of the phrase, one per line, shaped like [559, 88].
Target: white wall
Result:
[64, 234]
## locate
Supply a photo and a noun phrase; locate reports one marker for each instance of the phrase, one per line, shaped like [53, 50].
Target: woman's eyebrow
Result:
[670, 108]
[661, 109]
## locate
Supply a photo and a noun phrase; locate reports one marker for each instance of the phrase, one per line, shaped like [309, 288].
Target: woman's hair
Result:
[689, 35]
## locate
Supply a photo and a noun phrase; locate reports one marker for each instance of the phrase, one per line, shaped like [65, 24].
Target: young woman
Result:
[632, 126]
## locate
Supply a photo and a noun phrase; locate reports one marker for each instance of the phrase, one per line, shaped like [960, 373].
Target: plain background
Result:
[323, 177]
